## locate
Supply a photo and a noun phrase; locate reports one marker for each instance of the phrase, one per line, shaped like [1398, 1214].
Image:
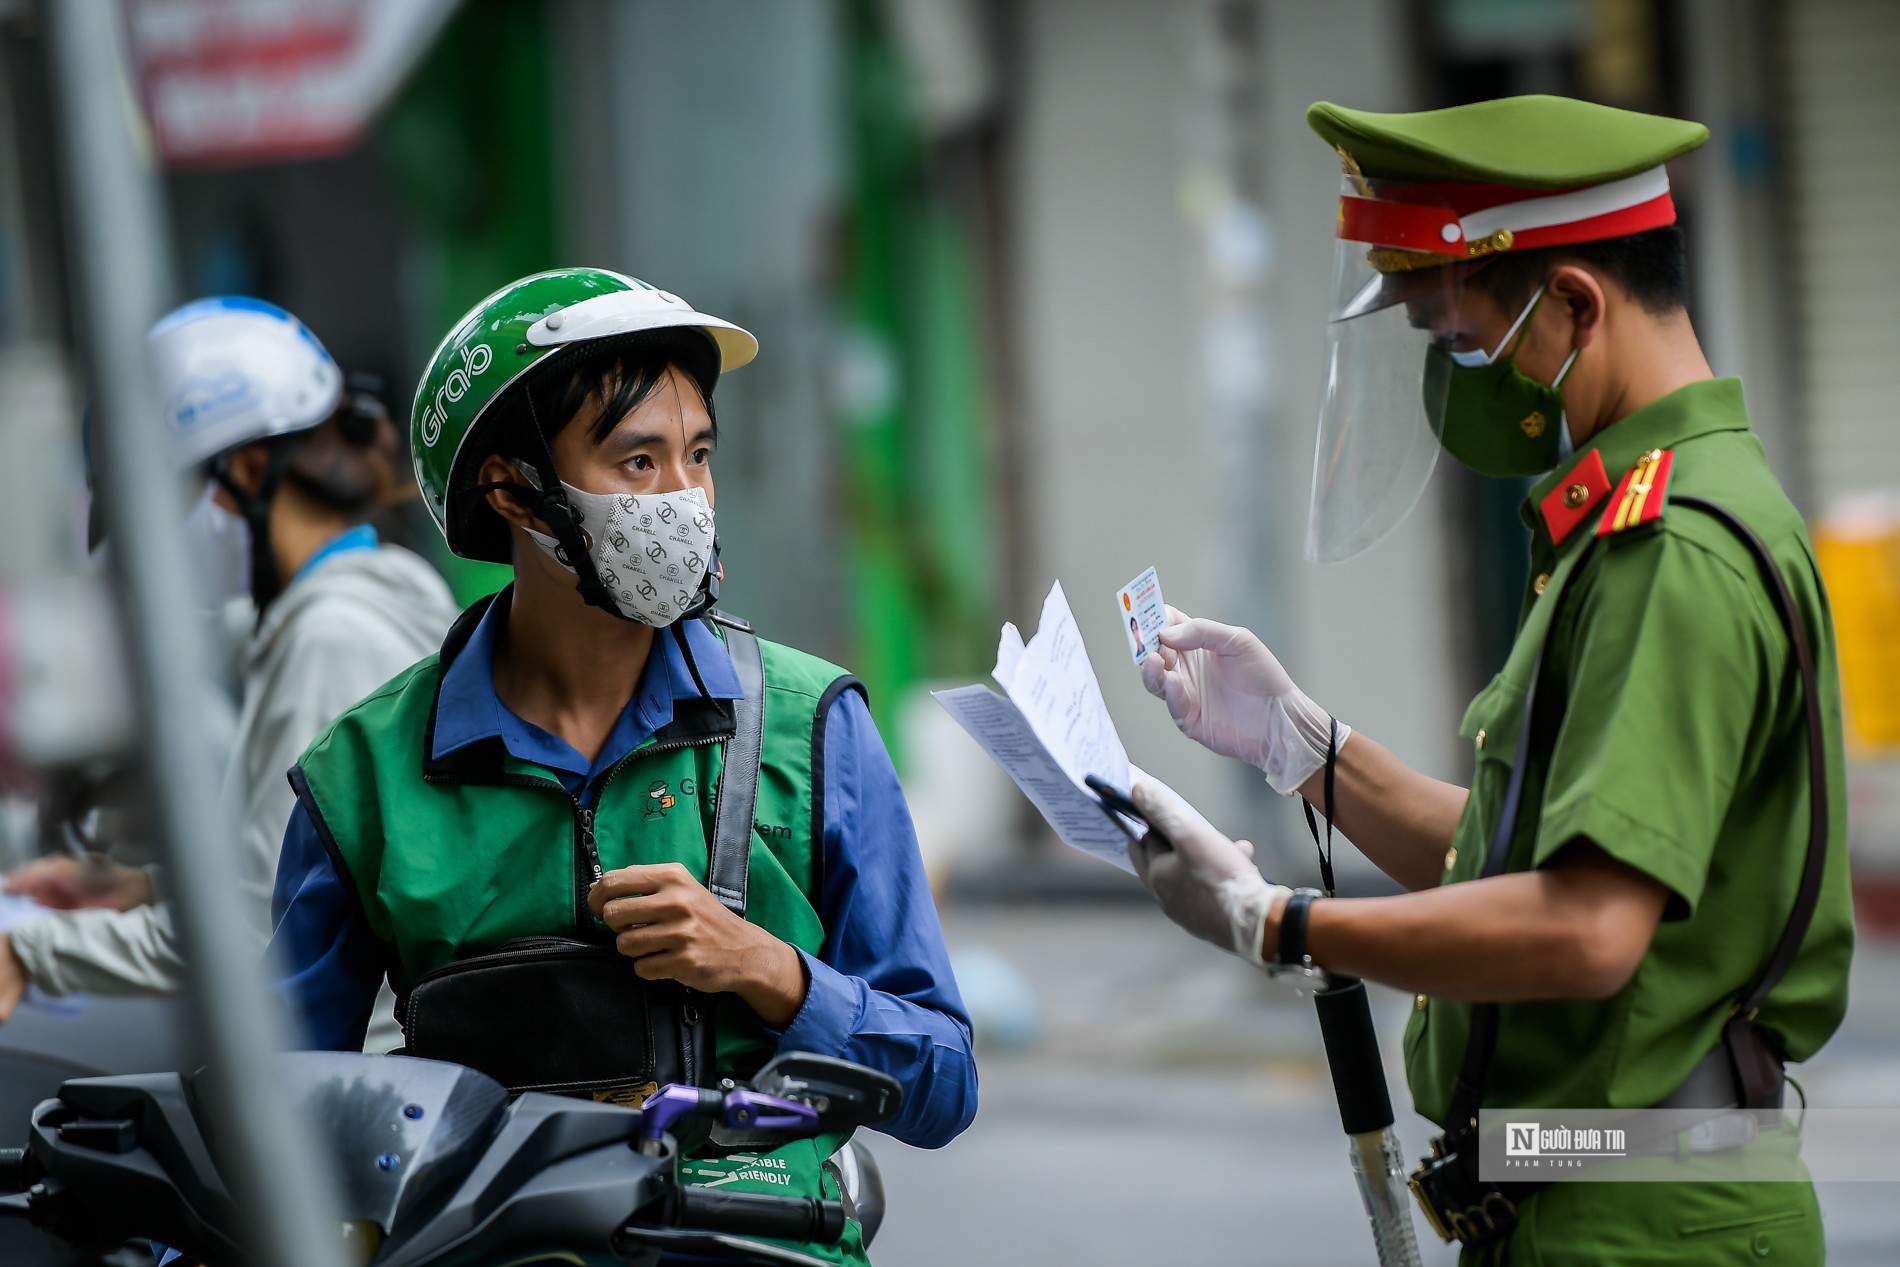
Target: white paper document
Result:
[1050, 729]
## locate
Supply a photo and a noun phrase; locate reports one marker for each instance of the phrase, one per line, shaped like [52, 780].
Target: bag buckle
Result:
[1458, 1208]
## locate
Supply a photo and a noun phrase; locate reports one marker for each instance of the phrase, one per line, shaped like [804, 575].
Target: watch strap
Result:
[1292, 950]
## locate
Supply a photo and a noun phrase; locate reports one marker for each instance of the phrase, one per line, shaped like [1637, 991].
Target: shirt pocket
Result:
[1492, 725]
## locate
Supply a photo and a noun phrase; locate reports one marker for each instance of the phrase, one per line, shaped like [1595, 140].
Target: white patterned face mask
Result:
[651, 550]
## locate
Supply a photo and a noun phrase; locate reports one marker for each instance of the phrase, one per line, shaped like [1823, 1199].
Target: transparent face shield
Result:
[1380, 409]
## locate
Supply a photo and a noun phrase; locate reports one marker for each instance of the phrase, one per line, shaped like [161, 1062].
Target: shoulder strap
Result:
[1808, 894]
[730, 858]
[1468, 1090]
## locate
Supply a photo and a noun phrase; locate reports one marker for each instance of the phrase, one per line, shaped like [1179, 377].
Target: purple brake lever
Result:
[755, 1110]
[671, 1103]
[745, 1109]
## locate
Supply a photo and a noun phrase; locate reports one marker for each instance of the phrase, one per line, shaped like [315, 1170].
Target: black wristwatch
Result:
[1291, 958]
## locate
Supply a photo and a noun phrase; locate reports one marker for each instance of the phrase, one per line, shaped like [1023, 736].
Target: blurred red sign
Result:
[236, 81]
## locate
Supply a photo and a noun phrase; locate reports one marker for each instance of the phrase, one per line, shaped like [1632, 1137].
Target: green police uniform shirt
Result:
[1680, 751]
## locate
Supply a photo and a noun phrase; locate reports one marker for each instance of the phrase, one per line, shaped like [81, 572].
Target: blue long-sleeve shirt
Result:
[881, 990]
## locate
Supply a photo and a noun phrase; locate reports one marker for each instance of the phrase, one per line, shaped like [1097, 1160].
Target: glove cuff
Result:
[1247, 900]
[1298, 733]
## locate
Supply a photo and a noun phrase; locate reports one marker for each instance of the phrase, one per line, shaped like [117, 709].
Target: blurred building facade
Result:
[1041, 287]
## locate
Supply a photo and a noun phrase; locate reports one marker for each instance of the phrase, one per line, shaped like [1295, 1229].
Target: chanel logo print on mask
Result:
[650, 549]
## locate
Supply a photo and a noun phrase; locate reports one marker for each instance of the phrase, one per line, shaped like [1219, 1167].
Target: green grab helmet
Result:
[490, 350]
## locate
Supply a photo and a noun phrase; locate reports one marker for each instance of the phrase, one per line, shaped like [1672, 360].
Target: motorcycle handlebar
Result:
[750, 1214]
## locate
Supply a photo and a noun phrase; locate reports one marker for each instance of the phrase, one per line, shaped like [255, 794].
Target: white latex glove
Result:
[1227, 692]
[1207, 883]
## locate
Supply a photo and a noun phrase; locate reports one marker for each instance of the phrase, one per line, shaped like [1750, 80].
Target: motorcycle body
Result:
[436, 1167]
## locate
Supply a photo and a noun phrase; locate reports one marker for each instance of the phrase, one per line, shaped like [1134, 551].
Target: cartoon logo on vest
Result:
[659, 799]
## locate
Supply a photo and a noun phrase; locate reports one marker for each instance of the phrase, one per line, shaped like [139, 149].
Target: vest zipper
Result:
[590, 859]
[689, 1014]
[586, 848]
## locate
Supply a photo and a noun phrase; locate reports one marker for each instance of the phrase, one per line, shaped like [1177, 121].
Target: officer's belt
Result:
[1744, 1069]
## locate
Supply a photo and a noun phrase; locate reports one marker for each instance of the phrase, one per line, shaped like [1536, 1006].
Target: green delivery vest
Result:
[454, 856]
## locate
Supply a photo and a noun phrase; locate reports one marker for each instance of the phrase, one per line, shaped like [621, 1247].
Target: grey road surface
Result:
[1175, 1110]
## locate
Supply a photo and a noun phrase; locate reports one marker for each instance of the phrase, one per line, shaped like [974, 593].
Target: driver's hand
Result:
[674, 929]
[65, 883]
[1227, 692]
[1206, 883]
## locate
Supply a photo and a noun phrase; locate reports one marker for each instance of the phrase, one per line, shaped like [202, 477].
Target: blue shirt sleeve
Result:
[882, 993]
[332, 964]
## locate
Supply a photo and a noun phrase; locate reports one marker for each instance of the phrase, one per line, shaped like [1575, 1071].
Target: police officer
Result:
[1642, 899]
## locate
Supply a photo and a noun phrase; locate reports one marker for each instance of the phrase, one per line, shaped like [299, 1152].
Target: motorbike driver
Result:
[550, 774]
[291, 468]
[1642, 899]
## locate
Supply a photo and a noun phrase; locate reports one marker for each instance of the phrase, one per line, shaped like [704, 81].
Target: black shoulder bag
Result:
[1743, 1070]
[563, 1015]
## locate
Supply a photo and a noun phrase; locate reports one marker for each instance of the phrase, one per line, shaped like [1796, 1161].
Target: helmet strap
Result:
[551, 506]
[708, 588]
[254, 508]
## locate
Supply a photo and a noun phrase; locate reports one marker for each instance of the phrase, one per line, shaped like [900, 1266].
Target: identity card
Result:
[1142, 613]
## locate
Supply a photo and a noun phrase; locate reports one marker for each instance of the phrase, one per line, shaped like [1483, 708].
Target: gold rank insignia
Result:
[1642, 495]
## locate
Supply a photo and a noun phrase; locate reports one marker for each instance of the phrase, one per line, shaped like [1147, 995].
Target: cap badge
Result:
[1490, 245]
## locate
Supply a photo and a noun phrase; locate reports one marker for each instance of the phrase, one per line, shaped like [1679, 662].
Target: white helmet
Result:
[231, 370]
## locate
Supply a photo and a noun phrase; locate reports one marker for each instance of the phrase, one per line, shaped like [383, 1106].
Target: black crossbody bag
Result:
[563, 1015]
[1743, 1070]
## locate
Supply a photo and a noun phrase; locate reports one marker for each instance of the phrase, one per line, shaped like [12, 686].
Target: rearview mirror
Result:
[846, 1095]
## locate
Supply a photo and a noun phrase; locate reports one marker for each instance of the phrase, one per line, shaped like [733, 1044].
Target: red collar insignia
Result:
[1571, 502]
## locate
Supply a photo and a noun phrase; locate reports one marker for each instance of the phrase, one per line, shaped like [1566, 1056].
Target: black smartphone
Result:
[1120, 802]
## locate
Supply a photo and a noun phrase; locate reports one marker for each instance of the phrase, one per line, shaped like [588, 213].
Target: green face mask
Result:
[1495, 420]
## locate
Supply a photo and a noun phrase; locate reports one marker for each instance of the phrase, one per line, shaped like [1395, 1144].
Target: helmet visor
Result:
[1380, 411]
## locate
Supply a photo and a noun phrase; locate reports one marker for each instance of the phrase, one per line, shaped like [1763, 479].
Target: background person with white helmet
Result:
[607, 839]
[291, 469]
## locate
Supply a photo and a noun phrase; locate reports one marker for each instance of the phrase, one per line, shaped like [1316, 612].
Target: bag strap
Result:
[730, 860]
[1467, 1090]
[1481, 1041]
[1814, 866]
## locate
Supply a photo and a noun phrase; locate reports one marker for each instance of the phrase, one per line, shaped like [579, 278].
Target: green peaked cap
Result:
[1535, 142]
